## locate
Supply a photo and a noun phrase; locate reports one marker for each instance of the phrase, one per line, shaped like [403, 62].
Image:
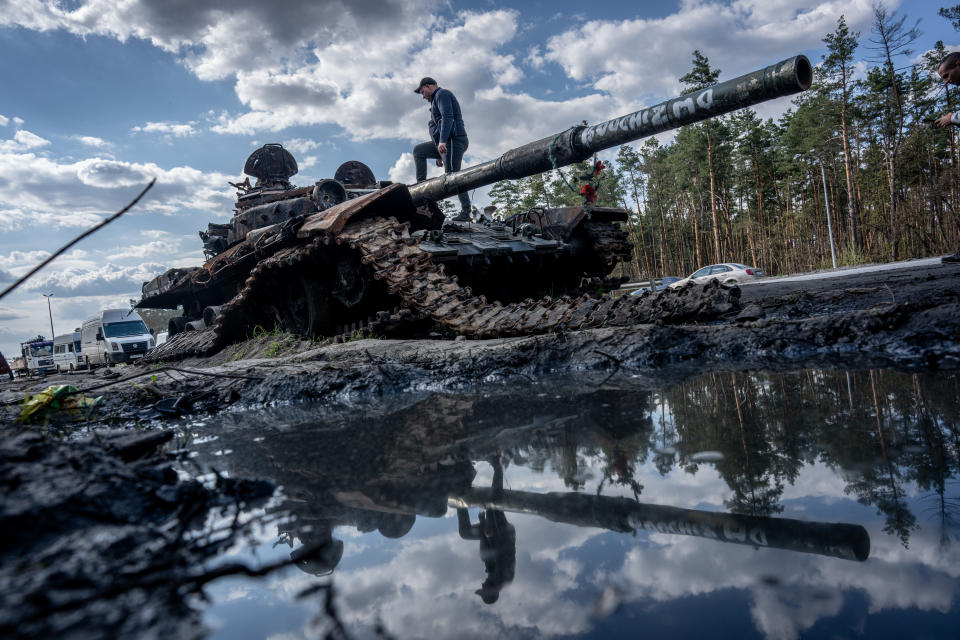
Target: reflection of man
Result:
[498, 541]
[449, 137]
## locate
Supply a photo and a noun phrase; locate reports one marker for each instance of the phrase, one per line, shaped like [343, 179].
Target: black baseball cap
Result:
[427, 80]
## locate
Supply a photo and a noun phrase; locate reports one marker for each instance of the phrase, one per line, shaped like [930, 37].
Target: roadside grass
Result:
[360, 335]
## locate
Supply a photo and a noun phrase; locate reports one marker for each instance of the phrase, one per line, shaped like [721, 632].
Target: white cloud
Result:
[106, 279]
[92, 141]
[535, 58]
[22, 141]
[403, 170]
[4, 120]
[297, 146]
[341, 89]
[175, 129]
[37, 191]
[154, 249]
[22, 258]
[639, 58]
[353, 64]
[8, 313]
[101, 172]
[214, 40]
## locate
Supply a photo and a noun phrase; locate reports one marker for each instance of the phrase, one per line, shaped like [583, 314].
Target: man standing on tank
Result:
[449, 137]
[949, 72]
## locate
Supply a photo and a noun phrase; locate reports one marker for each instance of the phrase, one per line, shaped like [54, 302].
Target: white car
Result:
[727, 273]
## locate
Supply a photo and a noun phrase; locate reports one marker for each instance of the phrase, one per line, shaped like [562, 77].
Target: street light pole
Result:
[826, 201]
[48, 296]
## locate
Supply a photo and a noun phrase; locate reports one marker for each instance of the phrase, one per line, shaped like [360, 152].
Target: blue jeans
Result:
[454, 157]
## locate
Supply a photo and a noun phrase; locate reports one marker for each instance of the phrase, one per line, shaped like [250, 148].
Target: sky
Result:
[99, 96]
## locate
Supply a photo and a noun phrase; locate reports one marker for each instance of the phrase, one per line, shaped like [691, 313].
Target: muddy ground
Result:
[903, 319]
[74, 509]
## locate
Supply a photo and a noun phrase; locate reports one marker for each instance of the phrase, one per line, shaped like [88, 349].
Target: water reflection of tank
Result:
[319, 552]
[333, 479]
[318, 558]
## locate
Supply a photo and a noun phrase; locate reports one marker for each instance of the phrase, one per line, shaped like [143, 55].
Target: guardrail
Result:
[628, 287]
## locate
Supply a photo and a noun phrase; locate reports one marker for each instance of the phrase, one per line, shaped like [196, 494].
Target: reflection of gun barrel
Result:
[847, 541]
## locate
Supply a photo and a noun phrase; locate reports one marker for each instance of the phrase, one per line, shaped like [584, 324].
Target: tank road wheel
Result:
[298, 307]
[176, 325]
[350, 285]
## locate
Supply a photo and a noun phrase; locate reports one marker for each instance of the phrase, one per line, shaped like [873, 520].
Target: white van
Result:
[66, 352]
[115, 335]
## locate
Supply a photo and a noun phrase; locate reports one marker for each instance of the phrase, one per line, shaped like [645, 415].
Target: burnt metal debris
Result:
[352, 254]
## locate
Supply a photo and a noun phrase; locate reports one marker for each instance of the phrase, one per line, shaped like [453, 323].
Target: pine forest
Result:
[858, 149]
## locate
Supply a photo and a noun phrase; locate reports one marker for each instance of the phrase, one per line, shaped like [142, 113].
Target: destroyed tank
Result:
[351, 253]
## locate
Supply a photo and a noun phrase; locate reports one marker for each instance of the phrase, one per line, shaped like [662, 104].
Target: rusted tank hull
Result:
[338, 256]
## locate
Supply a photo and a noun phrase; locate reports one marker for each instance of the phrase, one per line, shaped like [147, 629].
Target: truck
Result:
[114, 336]
[66, 352]
[37, 357]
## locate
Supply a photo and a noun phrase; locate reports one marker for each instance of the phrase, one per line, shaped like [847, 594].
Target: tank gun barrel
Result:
[580, 142]
[847, 541]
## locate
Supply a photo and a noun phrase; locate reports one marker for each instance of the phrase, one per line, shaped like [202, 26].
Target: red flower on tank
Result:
[588, 193]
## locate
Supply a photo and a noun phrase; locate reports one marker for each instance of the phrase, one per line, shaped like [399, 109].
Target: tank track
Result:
[424, 290]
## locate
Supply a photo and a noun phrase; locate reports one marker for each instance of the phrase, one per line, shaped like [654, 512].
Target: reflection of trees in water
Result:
[930, 464]
[603, 426]
[752, 423]
[883, 429]
[884, 432]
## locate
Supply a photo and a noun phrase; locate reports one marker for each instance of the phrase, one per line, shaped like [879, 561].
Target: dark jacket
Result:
[445, 118]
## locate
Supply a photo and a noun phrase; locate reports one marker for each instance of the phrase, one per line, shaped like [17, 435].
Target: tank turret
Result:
[272, 166]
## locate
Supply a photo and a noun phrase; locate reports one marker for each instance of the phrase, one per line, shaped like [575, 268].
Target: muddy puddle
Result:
[778, 505]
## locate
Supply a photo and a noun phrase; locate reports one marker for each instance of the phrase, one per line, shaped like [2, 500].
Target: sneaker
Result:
[955, 258]
[463, 216]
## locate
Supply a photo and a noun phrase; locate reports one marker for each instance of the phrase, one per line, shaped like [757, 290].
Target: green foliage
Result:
[156, 319]
[838, 61]
[506, 196]
[448, 208]
[952, 14]
[261, 333]
[360, 335]
[891, 180]
[701, 76]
